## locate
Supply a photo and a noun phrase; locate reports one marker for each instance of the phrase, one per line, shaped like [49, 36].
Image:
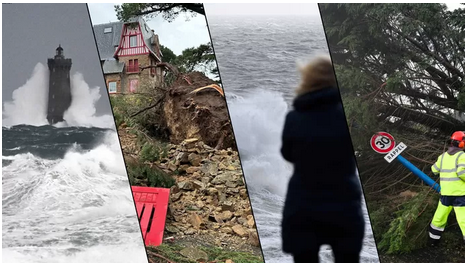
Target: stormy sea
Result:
[66, 196]
[257, 58]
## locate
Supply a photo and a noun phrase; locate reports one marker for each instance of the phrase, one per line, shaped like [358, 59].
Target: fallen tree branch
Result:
[149, 107]
[159, 256]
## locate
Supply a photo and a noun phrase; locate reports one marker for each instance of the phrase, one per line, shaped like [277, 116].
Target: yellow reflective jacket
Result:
[451, 170]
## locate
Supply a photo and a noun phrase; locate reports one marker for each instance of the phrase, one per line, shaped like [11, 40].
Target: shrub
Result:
[408, 229]
[140, 174]
[153, 151]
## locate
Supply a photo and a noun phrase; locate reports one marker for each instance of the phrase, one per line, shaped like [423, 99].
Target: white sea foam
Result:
[258, 120]
[78, 208]
[75, 209]
[29, 103]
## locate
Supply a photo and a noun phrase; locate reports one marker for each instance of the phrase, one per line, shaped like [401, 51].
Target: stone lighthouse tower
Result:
[59, 86]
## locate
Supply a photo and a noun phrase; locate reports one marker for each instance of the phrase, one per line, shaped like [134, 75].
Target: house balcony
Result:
[132, 69]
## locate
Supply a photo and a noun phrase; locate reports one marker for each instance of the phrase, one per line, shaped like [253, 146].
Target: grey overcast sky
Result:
[270, 9]
[32, 32]
[176, 35]
[249, 9]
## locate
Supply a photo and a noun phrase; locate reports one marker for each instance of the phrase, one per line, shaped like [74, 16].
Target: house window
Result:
[133, 85]
[108, 30]
[152, 69]
[112, 87]
[133, 41]
[133, 65]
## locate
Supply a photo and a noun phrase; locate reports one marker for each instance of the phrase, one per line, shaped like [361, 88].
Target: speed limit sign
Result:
[382, 142]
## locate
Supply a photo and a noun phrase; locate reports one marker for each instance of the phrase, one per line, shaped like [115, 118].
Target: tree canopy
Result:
[169, 11]
[400, 69]
[168, 55]
[407, 58]
[201, 58]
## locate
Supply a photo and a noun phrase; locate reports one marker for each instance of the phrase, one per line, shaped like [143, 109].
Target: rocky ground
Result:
[209, 210]
[209, 197]
[209, 205]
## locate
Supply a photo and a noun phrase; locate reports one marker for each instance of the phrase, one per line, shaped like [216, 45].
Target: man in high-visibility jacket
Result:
[450, 167]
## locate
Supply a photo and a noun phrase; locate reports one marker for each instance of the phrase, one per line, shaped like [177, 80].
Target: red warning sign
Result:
[382, 142]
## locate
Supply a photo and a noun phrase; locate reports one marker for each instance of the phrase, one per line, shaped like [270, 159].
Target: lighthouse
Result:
[59, 86]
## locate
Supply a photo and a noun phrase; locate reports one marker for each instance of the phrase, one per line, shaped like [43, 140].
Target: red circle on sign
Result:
[382, 142]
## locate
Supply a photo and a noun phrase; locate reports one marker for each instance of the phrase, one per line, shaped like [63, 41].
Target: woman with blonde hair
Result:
[323, 202]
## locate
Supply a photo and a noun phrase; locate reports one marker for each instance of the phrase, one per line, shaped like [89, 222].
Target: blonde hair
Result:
[316, 75]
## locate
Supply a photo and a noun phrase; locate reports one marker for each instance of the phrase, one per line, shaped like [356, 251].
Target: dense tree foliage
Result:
[415, 50]
[401, 69]
[201, 58]
[168, 11]
[167, 55]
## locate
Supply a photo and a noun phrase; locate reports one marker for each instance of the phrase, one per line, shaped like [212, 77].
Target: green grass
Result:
[215, 254]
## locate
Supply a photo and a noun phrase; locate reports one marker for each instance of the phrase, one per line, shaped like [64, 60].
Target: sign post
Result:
[384, 143]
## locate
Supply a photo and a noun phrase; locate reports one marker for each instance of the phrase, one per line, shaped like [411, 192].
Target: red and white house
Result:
[127, 50]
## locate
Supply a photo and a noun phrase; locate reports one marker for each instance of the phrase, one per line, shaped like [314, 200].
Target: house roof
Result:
[112, 66]
[107, 41]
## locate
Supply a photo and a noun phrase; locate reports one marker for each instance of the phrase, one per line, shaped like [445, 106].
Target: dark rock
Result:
[194, 159]
[182, 157]
[185, 185]
[176, 196]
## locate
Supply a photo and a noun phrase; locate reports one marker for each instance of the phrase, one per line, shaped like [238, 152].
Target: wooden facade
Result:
[127, 50]
[127, 46]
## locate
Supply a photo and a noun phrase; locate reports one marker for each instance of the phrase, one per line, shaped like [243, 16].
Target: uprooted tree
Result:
[191, 59]
[401, 69]
[169, 11]
[187, 94]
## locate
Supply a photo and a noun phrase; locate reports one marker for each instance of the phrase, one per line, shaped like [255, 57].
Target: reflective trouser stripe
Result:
[434, 236]
[437, 228]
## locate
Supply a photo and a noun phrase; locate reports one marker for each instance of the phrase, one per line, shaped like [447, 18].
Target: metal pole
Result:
[419, 173]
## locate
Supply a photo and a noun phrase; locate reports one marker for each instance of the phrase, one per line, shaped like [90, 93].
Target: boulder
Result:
[253, 238]
[239, 230]
[194, 159]
[185, 185]
[226, 215]
[196, 220]
[251, 221]
[182, 157]
[192, 170]
[194, 254]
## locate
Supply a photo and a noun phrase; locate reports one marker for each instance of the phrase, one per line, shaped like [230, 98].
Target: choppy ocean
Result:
[257, 59]
[66, 195]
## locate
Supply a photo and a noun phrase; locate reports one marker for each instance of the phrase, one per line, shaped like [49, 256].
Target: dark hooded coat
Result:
[323, 202]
